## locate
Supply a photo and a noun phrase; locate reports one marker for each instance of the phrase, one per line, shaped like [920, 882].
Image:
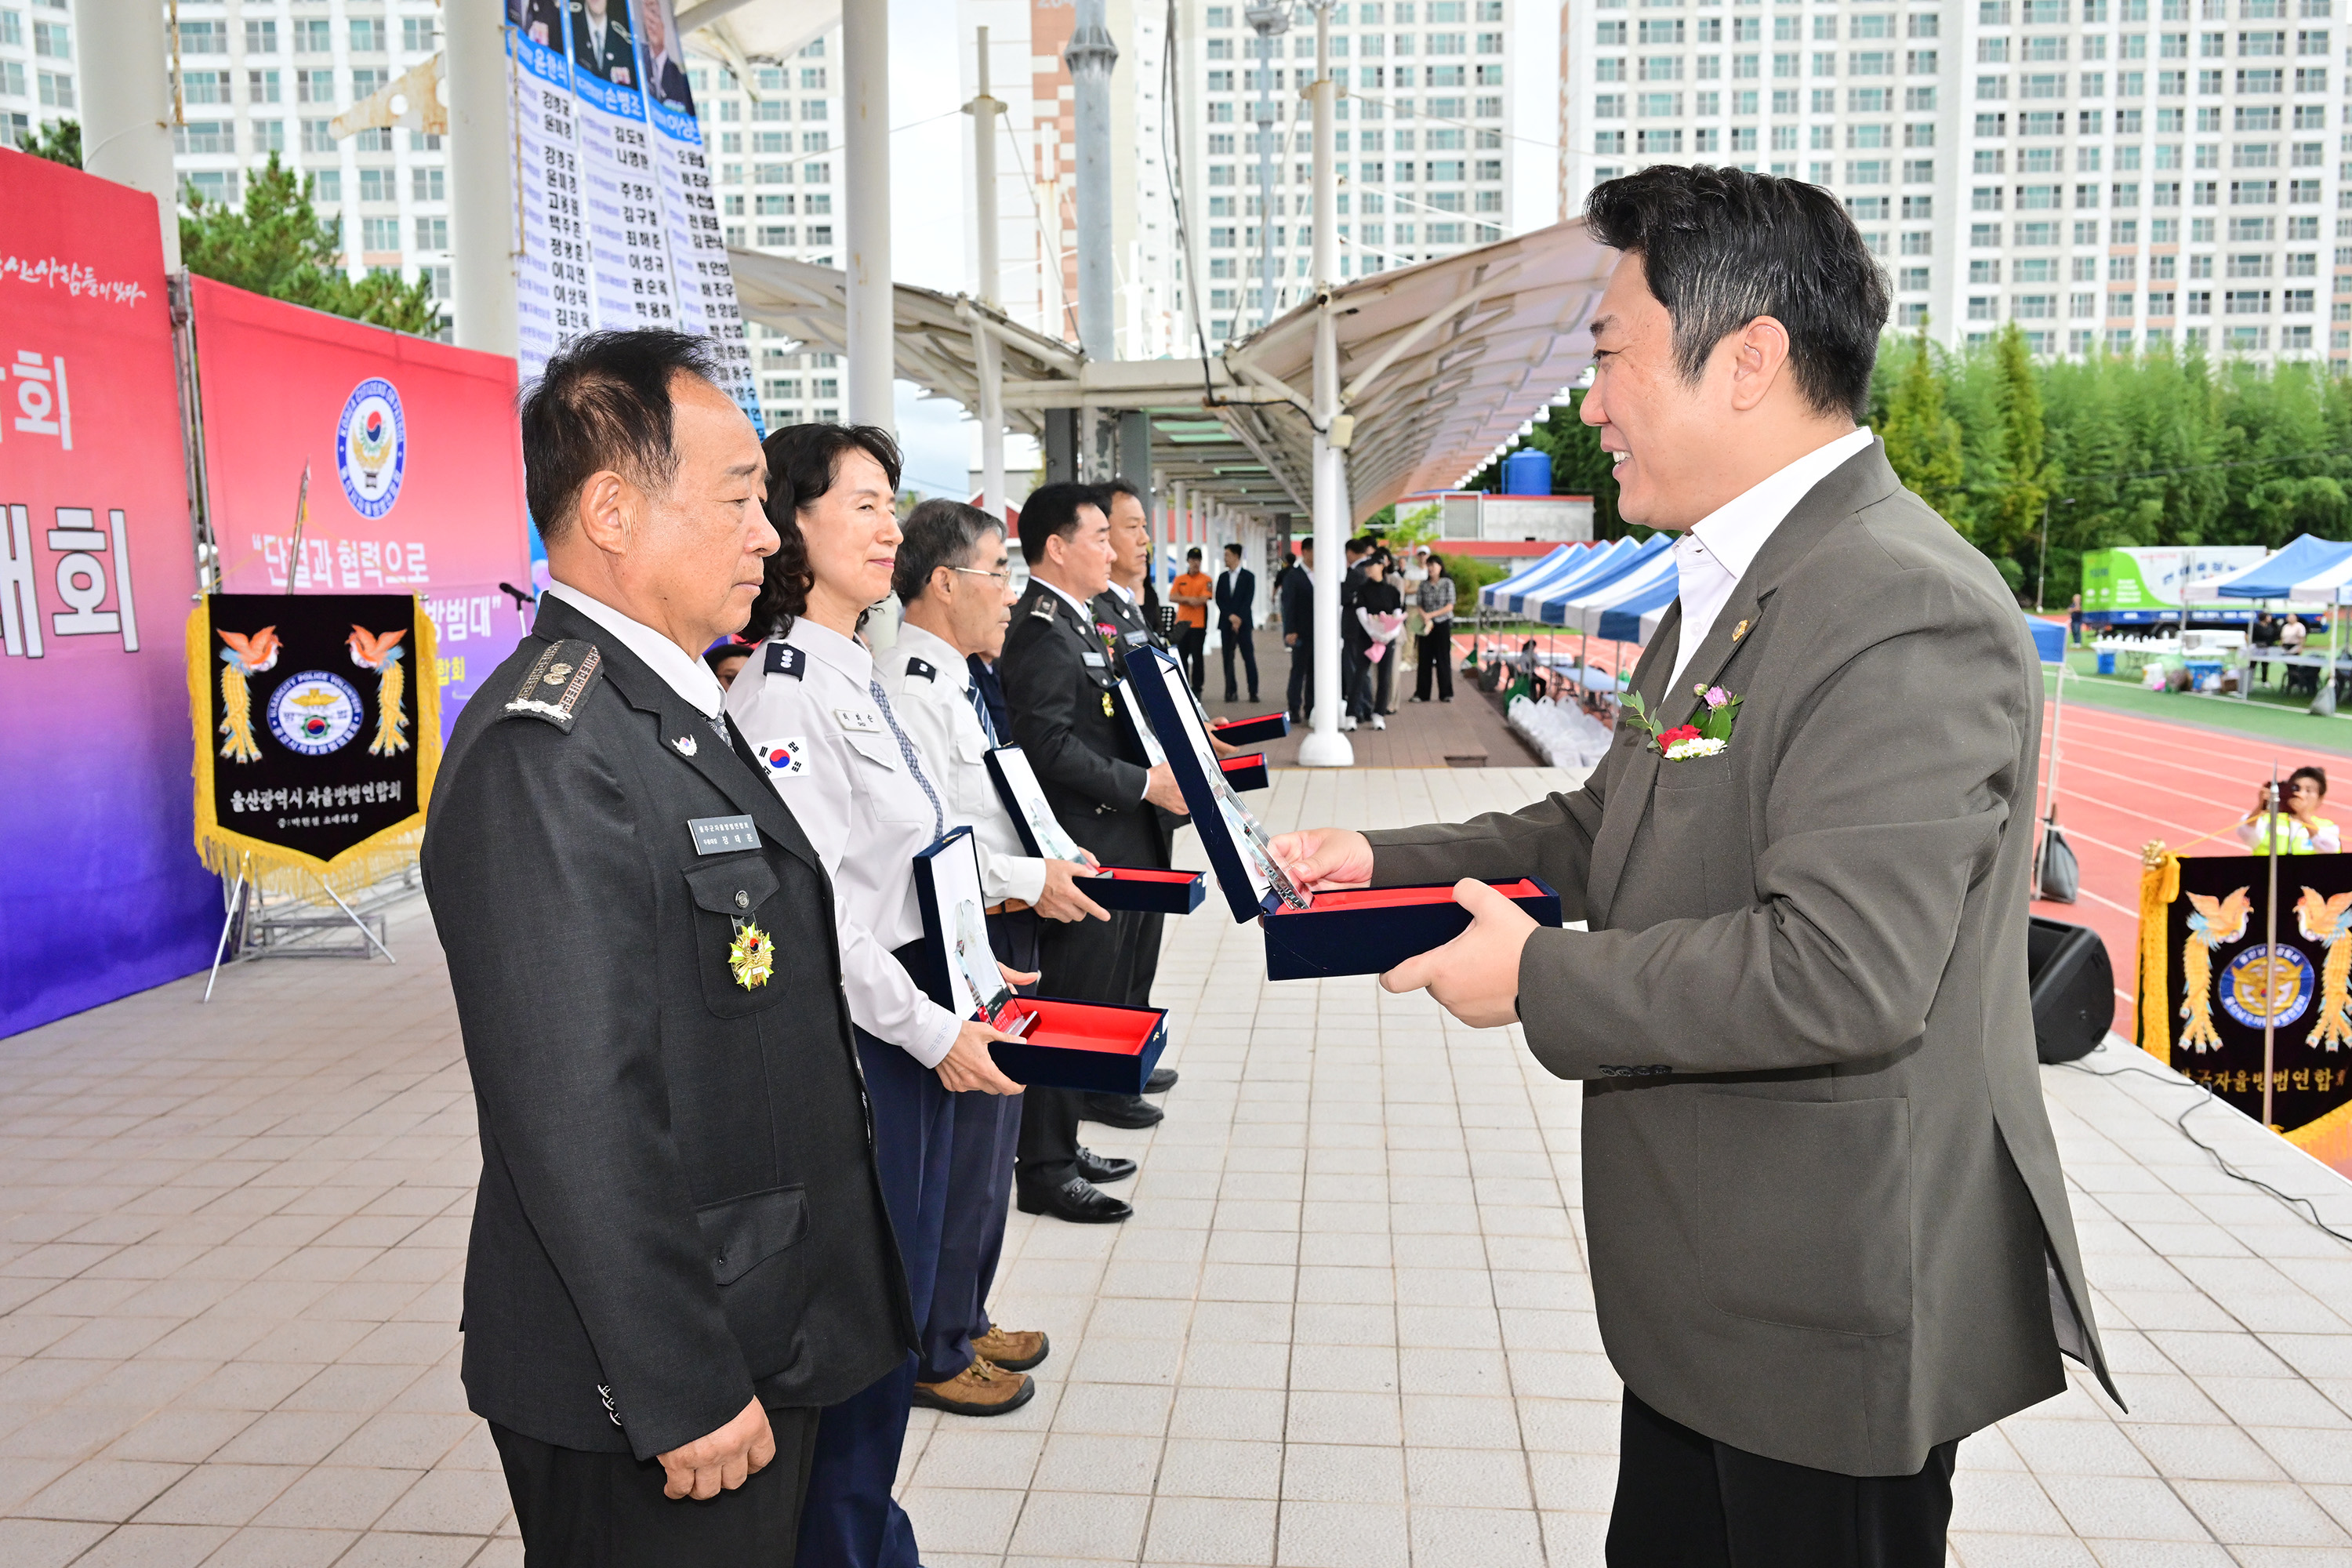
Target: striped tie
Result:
[907, 750]
[979, 707]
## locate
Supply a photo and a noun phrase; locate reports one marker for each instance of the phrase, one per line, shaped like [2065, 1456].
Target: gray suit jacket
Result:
[1826, 1219]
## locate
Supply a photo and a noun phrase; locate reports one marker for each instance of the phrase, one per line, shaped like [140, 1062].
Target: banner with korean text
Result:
[97, 567]
[617, 224]
[415, 465]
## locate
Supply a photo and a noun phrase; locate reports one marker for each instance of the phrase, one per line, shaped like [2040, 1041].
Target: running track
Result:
[2124, 780]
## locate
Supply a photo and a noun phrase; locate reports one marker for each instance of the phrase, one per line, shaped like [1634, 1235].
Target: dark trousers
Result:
[1193, 653]
[980, 1190]
[1437, 654]
[1684, 1500]
[1299, 699]
[850, 1520]
[581, 1510]
[1081, 961]
[1245, 643]
[1368, 681]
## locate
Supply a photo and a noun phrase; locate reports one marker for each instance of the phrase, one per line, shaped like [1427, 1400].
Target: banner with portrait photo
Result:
[2209, 984]
[316, 746]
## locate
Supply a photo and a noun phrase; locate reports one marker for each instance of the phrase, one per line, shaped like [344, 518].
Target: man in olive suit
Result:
[1829, 1235]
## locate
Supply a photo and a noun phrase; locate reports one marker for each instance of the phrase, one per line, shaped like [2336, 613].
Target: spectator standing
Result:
[1237, 615]
[1193, 594]
[1298, 632]
[2075, 621]
[2302, 830]
[1378, 621]
[1433, 597]
[2291, 634]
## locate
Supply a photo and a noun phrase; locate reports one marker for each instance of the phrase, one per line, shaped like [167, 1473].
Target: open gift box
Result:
[1063, 1045]
[1253, 732]
[1146, 887]
[1362, 931]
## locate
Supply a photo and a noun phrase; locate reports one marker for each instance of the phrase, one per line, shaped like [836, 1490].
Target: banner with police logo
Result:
[315, 742]
[2211, 985]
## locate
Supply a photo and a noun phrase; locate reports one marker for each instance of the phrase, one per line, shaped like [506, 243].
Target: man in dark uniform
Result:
[680, 1252]
[600, 41]
[1296, 603]
[1061, 681]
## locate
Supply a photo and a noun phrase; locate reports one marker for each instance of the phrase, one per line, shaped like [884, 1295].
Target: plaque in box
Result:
[1251, 732]
[1147, 888]
[1063, 1045]
[1361, 930]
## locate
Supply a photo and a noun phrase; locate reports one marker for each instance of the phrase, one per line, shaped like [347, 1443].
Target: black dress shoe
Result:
[1131, 1111]
[1161, 1080]
[1077, 1200]
[1097, 1167]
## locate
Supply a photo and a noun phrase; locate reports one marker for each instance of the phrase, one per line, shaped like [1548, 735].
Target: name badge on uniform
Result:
[722, 835]
[1093, 660]
[858, 720]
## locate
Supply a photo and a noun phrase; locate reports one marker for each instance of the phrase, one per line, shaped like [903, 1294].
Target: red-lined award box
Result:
[1145, 888]
[1363, 931]
[1065, 1045]
[1244, 773]
[1253, 732]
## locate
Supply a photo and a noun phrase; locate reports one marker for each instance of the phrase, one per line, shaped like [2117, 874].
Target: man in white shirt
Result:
[953, 579]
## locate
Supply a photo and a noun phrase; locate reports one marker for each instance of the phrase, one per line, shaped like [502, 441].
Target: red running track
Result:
[2124, 780]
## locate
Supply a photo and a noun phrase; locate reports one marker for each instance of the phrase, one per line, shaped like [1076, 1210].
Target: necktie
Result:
[979, 707]
[907, 750]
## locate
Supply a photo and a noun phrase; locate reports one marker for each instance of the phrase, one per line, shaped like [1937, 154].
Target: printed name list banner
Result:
[415, 471]
[2221, 984]
[315, 752]
[617, 223]
[96, 566]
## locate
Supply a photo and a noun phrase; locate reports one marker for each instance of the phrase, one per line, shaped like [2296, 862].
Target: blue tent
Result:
[1556, 574]
[1622, 622]
[1557, 605]
[2276, 577]
[1496, 595]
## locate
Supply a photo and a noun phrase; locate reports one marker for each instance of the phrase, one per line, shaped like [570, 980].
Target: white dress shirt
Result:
[936, 711]
[680, 670]
[830, 751]
[1715, 555]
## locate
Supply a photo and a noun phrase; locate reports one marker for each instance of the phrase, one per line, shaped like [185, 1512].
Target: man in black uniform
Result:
[1061, 680]
[680, 1253]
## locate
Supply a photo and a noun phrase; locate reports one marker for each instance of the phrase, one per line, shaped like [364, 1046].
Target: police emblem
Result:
[750, 957]
[315, 712]
[783, 758]
[2259, 988]
[371, 447]
[1108, 709]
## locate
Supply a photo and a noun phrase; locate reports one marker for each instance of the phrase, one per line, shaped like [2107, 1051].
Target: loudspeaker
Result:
[2074, 989]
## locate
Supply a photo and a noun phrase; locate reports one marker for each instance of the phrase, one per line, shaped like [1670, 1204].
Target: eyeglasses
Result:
[975, 572]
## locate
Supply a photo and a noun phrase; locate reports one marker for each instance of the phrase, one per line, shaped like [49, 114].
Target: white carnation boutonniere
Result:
[1706, 734]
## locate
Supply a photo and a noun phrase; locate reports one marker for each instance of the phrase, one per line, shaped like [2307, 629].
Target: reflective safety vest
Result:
[2294, 838]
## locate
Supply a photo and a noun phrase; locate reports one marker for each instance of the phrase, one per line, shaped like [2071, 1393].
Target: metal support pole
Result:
[482, 190]
[987, 354]
[126, 105]
[866, 164]
[2270, 950]
[1090, 57]
[1324, 747]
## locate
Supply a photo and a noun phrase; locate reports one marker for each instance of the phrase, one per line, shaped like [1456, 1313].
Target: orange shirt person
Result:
[1191, 593]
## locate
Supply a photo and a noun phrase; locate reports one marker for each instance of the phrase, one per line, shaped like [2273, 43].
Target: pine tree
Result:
[59, 141]
[277, 244]
[1923, 440]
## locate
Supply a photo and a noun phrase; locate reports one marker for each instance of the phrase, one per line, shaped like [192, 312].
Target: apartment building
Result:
[37, 67]
[2118, 174]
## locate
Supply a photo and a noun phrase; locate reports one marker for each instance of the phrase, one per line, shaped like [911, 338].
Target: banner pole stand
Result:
[2270, 950]
[236, 906]
[355, 920]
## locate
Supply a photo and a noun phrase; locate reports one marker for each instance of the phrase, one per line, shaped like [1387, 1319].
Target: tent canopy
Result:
[2326, 587]
[1569, 563]
[1596, 566]
[2278, 576]
[1577, 610]
[1493, 595]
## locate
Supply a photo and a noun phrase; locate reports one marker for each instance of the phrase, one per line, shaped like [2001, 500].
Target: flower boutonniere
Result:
[1704, 735]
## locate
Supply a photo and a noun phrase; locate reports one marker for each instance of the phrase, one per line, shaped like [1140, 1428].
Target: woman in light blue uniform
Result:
[822, 728]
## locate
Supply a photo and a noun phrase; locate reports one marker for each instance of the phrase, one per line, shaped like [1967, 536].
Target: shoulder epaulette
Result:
[1044, 608]
[557, 683]
[783, 659]
[922, 669]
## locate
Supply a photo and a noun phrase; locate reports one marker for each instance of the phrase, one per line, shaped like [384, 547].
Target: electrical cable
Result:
[2309, 1210]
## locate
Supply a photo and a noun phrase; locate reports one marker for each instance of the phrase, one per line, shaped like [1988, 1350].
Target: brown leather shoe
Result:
[1012, 1349]
[979, 1389]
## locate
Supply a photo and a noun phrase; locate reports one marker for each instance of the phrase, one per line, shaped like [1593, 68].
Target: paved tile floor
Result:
[1349, 1326]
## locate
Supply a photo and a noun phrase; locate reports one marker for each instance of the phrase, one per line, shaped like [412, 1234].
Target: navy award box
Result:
[1357, 930]
[1255, 732]
[1065, 1045]
[1245, 773]
[1145, 888]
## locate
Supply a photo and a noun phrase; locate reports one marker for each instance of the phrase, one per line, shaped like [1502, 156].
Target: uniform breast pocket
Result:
[734, 934]
[882, 777]
[1700, 820]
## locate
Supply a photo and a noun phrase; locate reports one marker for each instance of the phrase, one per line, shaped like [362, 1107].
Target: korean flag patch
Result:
[784, 758]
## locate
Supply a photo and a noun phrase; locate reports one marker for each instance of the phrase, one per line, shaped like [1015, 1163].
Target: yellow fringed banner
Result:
[302, 775]
[2159, 884]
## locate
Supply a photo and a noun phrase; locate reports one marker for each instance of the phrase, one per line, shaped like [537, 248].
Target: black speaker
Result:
[2074, 989]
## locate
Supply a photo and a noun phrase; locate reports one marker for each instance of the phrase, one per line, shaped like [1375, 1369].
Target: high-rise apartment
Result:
[2124, 174]
[37, 67]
